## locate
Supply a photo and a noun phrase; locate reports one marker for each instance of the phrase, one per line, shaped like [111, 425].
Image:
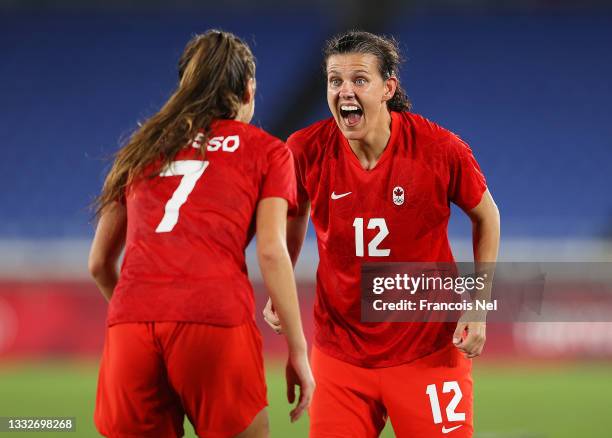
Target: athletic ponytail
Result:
[214, 71]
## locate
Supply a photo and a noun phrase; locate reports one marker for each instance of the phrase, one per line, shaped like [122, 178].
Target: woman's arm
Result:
[296, 232]
[485, 229]
[277, 272]
[276, 268]
[106, 248]
[485, 238]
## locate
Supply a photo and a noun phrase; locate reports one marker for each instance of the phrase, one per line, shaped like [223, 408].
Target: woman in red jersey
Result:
[378, 181]
[184, 198]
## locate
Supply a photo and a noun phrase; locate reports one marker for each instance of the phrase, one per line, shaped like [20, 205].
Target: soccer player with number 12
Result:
[377, 181]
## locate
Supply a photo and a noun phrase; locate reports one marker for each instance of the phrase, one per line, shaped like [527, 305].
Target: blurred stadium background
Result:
[526, 83]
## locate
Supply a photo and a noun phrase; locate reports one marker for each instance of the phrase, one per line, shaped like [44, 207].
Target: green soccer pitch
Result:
[553, 400]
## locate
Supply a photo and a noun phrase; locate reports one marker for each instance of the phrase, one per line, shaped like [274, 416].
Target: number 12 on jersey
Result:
[373, 249]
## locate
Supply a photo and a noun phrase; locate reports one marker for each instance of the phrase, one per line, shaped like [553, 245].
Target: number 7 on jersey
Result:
[191, 171]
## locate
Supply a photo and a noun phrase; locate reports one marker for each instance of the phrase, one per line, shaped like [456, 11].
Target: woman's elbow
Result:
[493, 214]
[271, 253]
[97, 267]
[486, 213]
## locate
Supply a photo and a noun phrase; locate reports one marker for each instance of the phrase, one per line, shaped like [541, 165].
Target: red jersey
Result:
[397, 211]
[187, 229]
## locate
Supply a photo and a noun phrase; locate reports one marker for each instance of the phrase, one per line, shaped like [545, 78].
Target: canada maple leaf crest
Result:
[398, 195]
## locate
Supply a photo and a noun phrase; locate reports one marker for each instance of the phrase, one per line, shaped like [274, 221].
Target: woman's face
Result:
[357, 94]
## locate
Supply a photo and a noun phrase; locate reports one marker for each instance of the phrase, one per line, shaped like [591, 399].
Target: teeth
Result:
[349, 108]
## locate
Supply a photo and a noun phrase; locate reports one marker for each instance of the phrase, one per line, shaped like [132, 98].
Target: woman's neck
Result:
[369, 149]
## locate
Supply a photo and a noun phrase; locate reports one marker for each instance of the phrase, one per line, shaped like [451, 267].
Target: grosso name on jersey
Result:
[226, 144]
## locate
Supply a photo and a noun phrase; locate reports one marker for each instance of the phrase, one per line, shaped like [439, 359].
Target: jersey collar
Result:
[388, 151]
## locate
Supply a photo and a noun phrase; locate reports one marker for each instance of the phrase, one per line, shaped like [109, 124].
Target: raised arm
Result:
[106, 248]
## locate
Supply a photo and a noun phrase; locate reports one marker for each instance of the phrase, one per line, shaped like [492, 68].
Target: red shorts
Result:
[153, 373]
[430, 397]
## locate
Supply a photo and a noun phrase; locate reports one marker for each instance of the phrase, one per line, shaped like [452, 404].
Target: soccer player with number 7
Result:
[378, 181]
[184, 197]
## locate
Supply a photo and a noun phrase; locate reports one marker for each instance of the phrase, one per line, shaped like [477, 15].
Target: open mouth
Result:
[351, 114]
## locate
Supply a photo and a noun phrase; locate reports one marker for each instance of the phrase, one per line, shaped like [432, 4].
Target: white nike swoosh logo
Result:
[450, 429]
[342, 195]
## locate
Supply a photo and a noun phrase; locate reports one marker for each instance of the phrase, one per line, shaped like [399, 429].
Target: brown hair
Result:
[386, 51]
[213, 71]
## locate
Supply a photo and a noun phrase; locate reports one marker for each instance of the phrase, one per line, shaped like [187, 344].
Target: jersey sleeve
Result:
[467, 182]
[300, 168]
[279, 177]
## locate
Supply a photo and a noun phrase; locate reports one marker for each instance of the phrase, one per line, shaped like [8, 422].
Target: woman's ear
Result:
[390, 87]
[249, 93]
